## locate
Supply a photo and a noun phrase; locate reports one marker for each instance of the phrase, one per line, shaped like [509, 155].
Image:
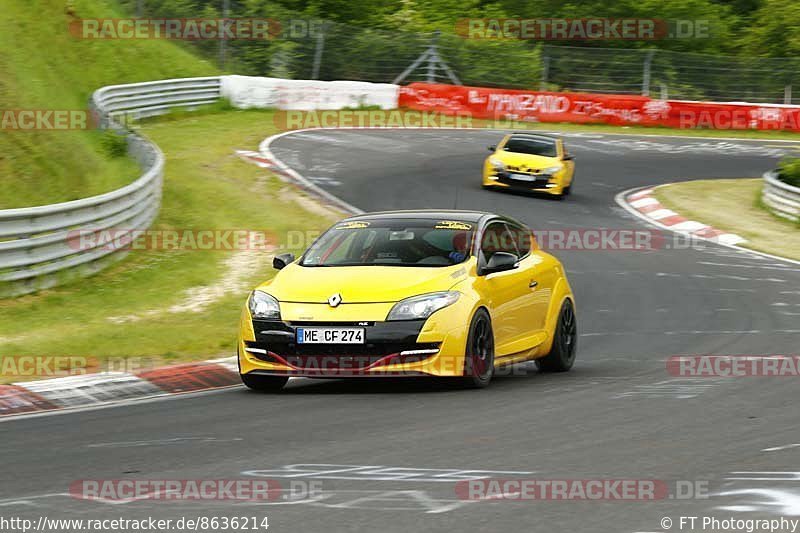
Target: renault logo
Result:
[335, 300]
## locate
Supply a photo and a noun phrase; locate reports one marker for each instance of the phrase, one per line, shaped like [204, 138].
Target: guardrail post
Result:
[648, 61]
[431, 55]
[545, 73]
[787, 95]
[318, 53]
[226, 6]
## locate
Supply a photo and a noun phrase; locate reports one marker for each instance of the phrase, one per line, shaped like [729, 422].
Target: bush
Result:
[115, 144]
[789, 171]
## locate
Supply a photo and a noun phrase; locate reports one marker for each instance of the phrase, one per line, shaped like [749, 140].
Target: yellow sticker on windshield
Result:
[453, 224]
[353, 225]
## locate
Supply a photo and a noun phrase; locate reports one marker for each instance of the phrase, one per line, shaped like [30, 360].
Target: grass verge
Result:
[44, 66]
[734, 205]
[169, 306]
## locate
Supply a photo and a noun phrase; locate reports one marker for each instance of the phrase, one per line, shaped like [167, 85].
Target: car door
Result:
[567, 160]
[541, 281]
[508, 292]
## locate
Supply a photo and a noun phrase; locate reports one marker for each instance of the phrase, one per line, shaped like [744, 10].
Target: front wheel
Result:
[479, 357]
[562, 354]
[264, 383]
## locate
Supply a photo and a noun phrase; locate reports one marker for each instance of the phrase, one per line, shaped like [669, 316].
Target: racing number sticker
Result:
[353, 225]
[453, 224]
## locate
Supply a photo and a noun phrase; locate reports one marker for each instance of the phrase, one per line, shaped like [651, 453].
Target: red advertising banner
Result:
[582, 108]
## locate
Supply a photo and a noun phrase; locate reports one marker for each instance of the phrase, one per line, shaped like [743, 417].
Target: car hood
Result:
[529, 161]
[361, 284]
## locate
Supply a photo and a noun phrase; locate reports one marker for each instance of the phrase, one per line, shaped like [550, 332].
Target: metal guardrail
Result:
[42, 246]
[781, 198]
[141, 100]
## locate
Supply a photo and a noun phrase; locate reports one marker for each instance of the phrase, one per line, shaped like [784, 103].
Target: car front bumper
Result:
[432, 347]
[547, 184]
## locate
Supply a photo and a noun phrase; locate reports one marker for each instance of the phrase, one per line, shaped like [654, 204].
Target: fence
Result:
[344, 52]
[36, 245]
[781, 198]
[331, 51]
[674, 75]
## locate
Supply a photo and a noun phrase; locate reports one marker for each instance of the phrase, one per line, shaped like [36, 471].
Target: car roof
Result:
[537, 136]
[443, 214]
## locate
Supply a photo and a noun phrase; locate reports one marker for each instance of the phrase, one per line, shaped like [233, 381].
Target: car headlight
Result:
[263, 306]
[422, 306]
[552, 170]
[497, 164]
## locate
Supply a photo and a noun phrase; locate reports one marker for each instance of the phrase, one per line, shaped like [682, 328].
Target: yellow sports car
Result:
[532, 162]
[410, 293]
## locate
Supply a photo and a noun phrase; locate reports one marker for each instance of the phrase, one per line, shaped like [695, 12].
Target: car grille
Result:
[322, 356]
[277, 338]
[538, 183]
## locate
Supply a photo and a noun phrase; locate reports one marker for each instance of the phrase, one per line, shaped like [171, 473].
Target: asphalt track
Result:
[617, 415]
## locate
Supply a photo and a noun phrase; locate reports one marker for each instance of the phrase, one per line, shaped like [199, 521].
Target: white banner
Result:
[248, 92]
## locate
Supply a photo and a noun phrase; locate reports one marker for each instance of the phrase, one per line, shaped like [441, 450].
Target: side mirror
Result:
[500, 262]
[492, 148]
[568, 157]
[280, 261]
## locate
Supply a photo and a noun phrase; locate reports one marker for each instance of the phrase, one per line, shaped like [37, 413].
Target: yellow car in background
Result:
[410, 293]
[531, 162]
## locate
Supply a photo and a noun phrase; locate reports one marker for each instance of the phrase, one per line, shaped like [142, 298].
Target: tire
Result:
[562, 354]
[479, 354]
[263, 383]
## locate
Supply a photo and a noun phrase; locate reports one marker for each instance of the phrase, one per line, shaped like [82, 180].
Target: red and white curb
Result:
[640, 203]
[266, 159]
[102, 388]
[257, 159]
[648, 207]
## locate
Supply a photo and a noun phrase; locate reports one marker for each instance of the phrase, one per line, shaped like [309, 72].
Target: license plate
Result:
[523, 177]
[330, 336]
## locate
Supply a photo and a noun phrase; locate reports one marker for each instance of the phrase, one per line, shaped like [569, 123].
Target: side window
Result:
[523, 238]
[498, 238]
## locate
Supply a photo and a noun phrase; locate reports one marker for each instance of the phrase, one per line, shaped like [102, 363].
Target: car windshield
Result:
[531, 145]
[392, 242]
